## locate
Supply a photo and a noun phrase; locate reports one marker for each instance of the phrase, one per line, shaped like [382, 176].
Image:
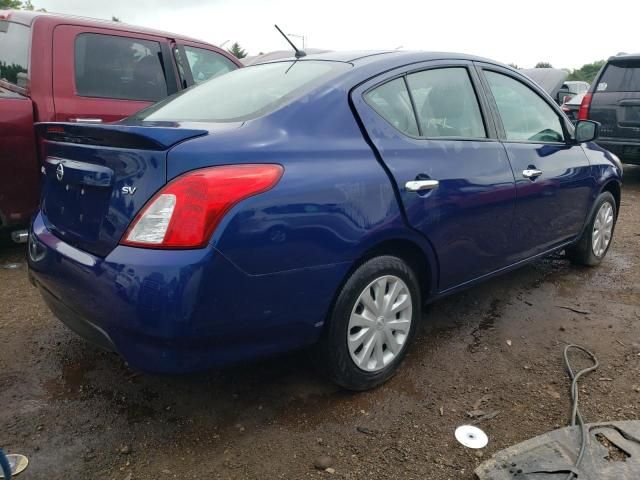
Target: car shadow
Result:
[279, 389]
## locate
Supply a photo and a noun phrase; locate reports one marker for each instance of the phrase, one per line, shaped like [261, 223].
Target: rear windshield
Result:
[14, 53]
[245, 93]
[620, 77]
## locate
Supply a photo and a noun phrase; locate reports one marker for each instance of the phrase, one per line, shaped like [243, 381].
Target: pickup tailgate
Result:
[98, 177]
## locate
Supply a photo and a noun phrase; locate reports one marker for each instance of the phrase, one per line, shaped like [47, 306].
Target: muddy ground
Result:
[79, 413]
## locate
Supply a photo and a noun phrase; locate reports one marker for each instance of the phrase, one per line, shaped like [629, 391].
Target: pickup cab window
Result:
[108, 66]
[206, 64]
[14, 53]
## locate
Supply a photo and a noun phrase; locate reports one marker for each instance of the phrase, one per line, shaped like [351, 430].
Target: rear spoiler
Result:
[120, 136]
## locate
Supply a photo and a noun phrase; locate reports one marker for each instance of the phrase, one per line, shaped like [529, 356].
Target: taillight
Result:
[583, 113]
[186, 211]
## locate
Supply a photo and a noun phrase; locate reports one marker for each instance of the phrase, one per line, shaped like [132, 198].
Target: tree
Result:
[13, 4]
[514, 65]
[237, 50]
[543, 65]
[19, 5]
[586, 73]
[11, 73]
[115, 19]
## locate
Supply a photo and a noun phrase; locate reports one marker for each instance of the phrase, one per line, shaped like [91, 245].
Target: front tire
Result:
[595, 241]
[372, 324]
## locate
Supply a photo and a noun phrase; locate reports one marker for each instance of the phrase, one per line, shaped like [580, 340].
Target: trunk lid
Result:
[97, 178]
[616, 101]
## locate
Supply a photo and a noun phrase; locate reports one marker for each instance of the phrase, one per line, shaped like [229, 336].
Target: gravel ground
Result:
[79, 413]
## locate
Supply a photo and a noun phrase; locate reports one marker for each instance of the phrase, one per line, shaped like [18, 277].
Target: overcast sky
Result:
[566, 34]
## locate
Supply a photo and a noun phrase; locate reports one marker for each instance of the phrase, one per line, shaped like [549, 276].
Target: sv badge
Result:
[128, 190]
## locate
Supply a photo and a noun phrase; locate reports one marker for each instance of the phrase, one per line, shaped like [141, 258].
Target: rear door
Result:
[616, 104]
[435, 136]
[553, 176]
[103, 75]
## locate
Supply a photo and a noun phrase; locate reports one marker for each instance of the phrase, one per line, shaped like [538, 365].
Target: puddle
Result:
[137, 412]
[71, 383]
[486, 324]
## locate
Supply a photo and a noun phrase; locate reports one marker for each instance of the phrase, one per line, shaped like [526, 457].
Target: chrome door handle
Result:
[420, 185]
[85, 120]
[531, 173]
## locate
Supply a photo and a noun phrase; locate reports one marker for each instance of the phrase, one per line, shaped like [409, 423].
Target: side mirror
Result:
[586, 131]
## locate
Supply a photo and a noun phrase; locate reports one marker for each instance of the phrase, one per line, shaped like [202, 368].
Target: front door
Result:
[433, 133]
[553, 178]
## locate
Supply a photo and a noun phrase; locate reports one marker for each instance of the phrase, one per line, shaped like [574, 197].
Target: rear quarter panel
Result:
[333, 203]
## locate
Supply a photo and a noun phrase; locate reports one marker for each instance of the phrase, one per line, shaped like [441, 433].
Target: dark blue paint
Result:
[267, 279]
[552, 208]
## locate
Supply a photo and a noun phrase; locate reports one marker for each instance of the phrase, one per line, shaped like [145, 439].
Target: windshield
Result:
[245, 93]
[14, 53]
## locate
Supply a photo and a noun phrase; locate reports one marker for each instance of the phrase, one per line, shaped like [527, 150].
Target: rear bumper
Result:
[628, 150]
[179, 311]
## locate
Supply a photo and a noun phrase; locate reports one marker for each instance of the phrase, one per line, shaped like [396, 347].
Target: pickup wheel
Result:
[595, 241]
[372, 324]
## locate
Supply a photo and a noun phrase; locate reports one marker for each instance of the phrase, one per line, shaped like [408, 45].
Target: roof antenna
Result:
[299, 53]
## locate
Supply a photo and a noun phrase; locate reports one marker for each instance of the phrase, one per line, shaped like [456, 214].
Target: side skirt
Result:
[496, 273]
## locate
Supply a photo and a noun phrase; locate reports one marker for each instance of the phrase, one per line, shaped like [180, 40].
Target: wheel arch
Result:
[419, 257]
[613, 186]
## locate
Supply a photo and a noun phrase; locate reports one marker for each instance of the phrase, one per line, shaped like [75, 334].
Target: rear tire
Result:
[372, 324]
[596, 239]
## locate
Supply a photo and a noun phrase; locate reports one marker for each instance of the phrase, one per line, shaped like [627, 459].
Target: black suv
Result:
[614, 101]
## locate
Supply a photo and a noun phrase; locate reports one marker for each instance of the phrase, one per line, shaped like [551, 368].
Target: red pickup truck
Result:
[70, 69]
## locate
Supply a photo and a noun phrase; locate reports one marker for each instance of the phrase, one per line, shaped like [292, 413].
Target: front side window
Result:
[14, 53]
[245, 93]
[446, 103]
[206, 64]
[525, 115]
[118, 67]
[391, 101]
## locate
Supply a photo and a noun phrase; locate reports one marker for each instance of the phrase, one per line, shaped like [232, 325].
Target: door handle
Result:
[531, 173]
[421, 185]
[85, 120]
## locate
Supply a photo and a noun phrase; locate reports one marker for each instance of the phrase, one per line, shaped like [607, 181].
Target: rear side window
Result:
[14, 53]
[525, 115]
[620, 77]
[446, 103]
[206, 64]
[391, 101]
[118, 67]
[245, 93]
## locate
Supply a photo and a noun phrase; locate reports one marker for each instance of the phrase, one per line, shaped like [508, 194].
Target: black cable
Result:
[575, 411]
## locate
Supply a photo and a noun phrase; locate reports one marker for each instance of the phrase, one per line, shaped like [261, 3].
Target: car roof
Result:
[400, 57]
[621, 57]
[28, 17]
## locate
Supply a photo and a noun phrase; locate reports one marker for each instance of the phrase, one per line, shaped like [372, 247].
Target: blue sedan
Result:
[315, 203]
